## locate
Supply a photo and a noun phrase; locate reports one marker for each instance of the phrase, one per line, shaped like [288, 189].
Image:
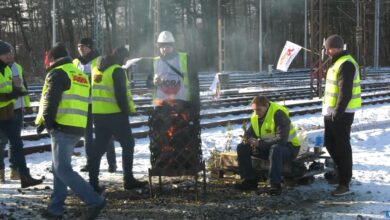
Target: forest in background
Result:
[27, 24]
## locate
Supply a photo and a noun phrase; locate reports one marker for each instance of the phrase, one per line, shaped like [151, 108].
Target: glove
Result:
[16, 93]
[40, 128]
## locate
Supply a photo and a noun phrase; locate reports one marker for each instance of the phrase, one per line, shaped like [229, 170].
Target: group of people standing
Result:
[91, 93]
[86, 95]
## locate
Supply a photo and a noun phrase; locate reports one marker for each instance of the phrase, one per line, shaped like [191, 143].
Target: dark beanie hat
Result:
[58, 51]
[4, 48]
[334, 41]
[88, 42]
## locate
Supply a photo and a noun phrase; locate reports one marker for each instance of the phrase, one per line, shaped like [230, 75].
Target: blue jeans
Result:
[4, 140]
[277, 154]
[62, 145]
[11, 130]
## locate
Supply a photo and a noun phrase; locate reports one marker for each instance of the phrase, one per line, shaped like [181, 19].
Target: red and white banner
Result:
[288, 54]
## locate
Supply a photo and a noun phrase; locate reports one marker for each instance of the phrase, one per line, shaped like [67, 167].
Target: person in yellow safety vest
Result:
[111, 105]
[174, 76]
[20, 103]
[271, 136]
[341, 99]
[88, 59]
[10, 89]
[63, 111]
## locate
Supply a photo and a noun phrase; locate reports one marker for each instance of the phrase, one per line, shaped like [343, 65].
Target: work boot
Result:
[276, 189]
[14, 175]
[98, 188]
[112, 169]
[27, 181]
[133, 183]
[2, 176]
[341, 190]
[48, 215]
[84, 168]
[93, 212]
[246, 184]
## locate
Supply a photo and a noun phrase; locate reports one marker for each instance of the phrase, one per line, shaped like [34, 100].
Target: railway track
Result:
[238, 80]
[140, 129]
[237, 98]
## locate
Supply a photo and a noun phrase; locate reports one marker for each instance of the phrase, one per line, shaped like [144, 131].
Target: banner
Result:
[288, 54]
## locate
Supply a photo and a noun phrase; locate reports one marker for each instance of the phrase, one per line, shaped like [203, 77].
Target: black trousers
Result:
[337, 142]
[106, 126]
[89, 144]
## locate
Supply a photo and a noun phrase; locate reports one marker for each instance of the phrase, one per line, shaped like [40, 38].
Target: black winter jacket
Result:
[92, 55]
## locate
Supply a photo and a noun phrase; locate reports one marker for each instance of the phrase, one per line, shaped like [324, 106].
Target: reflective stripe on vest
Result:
[26, 98]
[103, 93]
[6, 85]
[268, 128]
[332, 89]
[73, 107]
[183, 69]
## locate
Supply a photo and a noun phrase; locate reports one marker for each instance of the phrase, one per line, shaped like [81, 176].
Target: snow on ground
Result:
[371, 152]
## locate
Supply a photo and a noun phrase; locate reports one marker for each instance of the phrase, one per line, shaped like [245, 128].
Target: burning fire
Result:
[167, 149]
[171, 131]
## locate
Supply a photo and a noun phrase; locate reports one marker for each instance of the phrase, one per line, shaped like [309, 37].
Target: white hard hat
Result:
[165, 37]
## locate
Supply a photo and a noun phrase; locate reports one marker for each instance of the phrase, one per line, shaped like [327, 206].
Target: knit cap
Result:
[4, 48]
[88, 42]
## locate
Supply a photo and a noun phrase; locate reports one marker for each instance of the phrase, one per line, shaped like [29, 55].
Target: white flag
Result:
[289, 52]
[216, 86]
[130, 62]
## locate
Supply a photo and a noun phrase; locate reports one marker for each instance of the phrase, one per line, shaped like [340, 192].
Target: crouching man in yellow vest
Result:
[63, 111]
[271, 136]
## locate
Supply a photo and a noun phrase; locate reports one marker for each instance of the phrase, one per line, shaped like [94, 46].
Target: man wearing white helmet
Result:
[174, 76]
[176, 90]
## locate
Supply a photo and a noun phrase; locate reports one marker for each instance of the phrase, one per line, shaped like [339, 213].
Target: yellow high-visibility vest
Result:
[332, 88]
[183, 69]
[92, 64]
[268, 128]
[103, 93]
[73, 107]
[6, 85]
[26, 98]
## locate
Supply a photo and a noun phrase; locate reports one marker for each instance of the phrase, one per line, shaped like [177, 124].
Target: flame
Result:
[185, 116]
[171, 131]
[167, 148]
[158, 102]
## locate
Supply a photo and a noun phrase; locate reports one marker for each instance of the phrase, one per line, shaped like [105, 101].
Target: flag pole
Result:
[311, 51]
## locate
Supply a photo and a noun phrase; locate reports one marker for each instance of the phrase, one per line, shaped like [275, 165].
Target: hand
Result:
[253, 143]
[40, 128]
[17, 82]
[335, 116]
